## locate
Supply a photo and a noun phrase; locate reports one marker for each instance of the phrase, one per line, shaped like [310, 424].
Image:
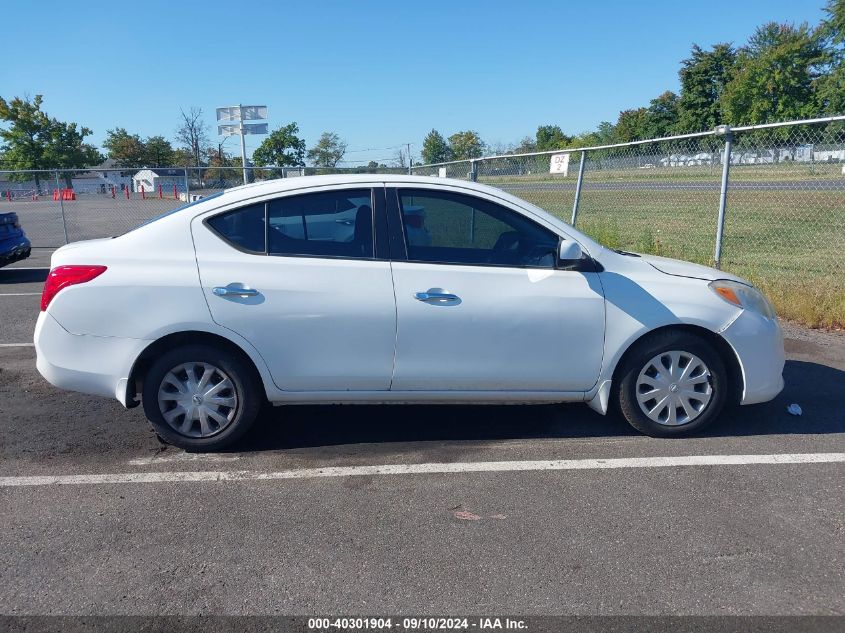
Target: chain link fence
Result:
[776, 215]
[56, 207]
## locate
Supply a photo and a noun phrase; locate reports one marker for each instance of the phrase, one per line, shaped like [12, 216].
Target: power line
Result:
[368, 160]
[375, 149]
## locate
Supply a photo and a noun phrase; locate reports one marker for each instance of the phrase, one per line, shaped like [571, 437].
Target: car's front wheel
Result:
[672, 383]
[201, 398]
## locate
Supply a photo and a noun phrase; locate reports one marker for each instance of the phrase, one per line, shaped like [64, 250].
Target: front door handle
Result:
[234, 290]
[435, 295]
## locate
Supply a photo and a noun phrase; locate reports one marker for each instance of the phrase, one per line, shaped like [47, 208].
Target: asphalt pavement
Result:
[270, 528]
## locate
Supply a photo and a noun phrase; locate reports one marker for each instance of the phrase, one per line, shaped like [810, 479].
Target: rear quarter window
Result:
[243, 228]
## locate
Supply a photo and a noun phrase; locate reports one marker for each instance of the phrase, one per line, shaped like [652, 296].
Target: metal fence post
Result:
[61, 206]
[723, 192]
[578, 188]
[473, 171]
[187, 187]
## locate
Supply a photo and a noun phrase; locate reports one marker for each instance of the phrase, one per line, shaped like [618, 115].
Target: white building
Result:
[152, 179]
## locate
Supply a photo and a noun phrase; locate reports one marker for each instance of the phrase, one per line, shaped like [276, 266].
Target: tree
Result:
[193, 134]
[831, 87]
[328, 151]
[551, 137]
[125, 149]
[67, 149]
[704, 76]
[834, 24]
[36, 141]
[776, 76]
[605, 134]
[400, 158]
[467, 144]
[182, 158]
[282, 148]
[25, 141]
[221, 165]
[631, 125]
[526, 146]
[435, 149]
[662, 115]
[158, 152]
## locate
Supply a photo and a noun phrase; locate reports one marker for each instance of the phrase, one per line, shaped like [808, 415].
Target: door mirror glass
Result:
[569, 250]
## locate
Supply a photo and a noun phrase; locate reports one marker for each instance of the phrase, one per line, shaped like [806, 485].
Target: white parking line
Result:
[182, 457]
[20, 294]
[424, 469]
[17, 344]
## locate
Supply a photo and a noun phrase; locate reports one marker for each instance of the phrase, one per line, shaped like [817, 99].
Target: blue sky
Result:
[379, 73]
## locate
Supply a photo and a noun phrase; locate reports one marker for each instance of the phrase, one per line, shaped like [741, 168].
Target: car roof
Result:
[298, 182]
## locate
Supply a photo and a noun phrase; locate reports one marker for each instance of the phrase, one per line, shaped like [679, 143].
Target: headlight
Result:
[742, 296]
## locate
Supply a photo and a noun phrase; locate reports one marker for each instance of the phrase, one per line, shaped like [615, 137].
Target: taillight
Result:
[64, 276]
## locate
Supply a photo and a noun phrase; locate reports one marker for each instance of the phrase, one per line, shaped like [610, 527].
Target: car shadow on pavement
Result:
[23, 276]
[816, 388]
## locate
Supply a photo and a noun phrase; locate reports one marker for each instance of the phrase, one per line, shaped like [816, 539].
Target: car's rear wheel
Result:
[201, 398]
[671, 384]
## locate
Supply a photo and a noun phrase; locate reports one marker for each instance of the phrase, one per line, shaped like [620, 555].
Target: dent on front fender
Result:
[639, 304]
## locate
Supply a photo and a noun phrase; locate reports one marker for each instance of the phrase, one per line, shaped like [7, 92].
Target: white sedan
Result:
[393, 289]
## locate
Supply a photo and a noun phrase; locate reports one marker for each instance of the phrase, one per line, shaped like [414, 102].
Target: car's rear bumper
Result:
[97, 365]
[758, 343]
[14, 249]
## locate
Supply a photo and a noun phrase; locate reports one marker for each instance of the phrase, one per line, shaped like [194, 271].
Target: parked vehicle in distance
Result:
[14, 245]
[379, 289]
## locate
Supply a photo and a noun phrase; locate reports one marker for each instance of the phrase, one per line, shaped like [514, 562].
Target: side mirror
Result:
[569, 250]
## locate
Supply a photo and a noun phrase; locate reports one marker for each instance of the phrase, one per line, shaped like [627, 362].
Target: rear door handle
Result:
[433, 295]
[234, 290]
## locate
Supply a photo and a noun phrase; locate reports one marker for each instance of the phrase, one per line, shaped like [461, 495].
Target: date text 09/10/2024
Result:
[415, 624]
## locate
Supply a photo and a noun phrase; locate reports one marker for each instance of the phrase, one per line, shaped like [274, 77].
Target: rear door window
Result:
[322, 224]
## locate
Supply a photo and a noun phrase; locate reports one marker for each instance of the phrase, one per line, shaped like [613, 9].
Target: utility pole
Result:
[408, 145]
[243, 142]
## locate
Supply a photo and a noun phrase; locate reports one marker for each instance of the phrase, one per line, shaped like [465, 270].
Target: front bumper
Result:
[96, 365]
[758, 343]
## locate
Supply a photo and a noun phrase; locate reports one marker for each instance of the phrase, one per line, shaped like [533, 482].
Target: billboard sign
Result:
[244, 113]
[249, 128]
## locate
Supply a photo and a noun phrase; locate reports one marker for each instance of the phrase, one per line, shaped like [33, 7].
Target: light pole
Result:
[243, 142]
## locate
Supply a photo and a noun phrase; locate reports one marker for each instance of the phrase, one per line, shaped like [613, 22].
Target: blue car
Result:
[14, 245]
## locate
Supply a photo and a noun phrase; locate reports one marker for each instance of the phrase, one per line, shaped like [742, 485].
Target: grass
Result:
[778, 172]
[789, 242]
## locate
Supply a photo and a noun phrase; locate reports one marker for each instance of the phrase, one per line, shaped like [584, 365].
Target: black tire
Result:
[247, 387]
[625, 388]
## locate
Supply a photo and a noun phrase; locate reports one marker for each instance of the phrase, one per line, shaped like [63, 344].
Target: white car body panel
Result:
[321, 324]
[327, 330]
[514, 329]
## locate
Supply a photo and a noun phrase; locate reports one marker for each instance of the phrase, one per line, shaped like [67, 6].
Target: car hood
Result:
[680, 268]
